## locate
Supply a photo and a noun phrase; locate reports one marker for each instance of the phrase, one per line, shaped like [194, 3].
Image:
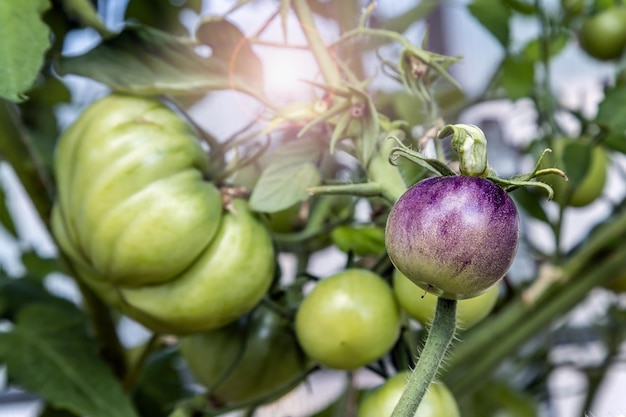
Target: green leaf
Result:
[530, 202]
[576, 159]
[518, 76]
[161, 14]
[493, 16]
[24, 41]
[85, 12]
[38, 268]
[6, 220]
[290, 172]
[533, 49]
[143, 60]
[361, 240]
[230, 45]
[159, 386]
[611, 118]
[48, 352]
[17, 293]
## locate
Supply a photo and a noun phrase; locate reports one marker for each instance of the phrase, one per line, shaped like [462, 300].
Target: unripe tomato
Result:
[591, 186]
[256, 358]
[421, 305]
[603, 36]
[437, 402]
[348, 320]
[143, 227]
[453, 236]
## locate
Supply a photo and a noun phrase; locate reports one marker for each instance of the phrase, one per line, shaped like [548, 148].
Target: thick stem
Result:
[439, 338]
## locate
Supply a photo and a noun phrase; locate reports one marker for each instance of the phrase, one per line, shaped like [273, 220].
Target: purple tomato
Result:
[453, 236]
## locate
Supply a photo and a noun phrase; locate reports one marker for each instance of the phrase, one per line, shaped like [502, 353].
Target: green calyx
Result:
[470, 144]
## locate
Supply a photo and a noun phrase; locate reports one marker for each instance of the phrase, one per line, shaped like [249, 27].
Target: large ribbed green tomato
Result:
[349, 320]
[438, 401]
[256, 358]
[145, 229]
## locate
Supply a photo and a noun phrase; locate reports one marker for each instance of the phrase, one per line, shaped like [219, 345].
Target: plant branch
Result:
[323, 56]
[439, 338]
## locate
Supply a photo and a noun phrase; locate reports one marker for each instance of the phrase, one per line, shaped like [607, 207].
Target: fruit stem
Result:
[437, 343]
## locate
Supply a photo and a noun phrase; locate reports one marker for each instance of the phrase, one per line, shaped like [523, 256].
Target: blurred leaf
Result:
[611, 118]
[48, 352]
[361, 240]
[530, 202]
[85, 12]
[159, 386]
[51, 411]
[17, 293]
[518, 76]
[533, 49]
[161, 14]
[576, 159]
[523, 7]
[291, 170]
[6, 220]
[498, 398]
[143, 60]
[403, 21]
[230, 45]
[38, 268]
[493, 16]
[370, 131]
[25, 39]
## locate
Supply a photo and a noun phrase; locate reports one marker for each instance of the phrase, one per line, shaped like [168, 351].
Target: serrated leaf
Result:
[24, 41]
[611, 118]
[48, 352]
[143, 60]
[518, 76]
[493, 16]
[291, 170]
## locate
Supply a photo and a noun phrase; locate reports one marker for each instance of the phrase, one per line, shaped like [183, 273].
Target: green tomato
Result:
[603, 36]
[421, 305]
[255, 359]
[144, 229]
[348, 320]
[591, 186]
[437, 402]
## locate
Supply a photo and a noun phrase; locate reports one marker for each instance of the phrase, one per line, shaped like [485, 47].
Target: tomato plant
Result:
[453, 236]
[420, 304]
[193, 191]
[254, 360]
[603, 36]
[348, 320]
[380, 402]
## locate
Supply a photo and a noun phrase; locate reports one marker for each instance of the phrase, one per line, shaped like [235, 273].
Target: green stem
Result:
[386, 175]
[439, 338]
[133, 374]
[322, 55]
